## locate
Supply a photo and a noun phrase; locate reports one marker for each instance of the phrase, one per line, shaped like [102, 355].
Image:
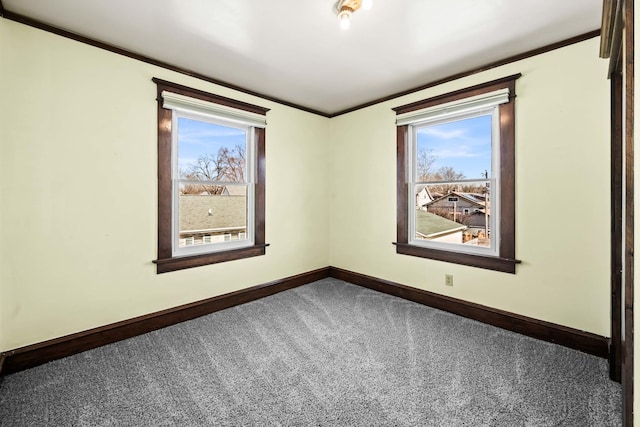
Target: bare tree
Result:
[426, 158]
[448, 173]
[443, 212]
[461, 218]
[206, 168]
[198, 188]
[232, 163]
[226, 166]
[479, 189]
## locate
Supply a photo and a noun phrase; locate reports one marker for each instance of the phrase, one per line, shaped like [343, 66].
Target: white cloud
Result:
[456, 152]
[444, 134]
[203, 136]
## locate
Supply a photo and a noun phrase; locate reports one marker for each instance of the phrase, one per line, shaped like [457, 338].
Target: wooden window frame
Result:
[166, 262]
[506, 260]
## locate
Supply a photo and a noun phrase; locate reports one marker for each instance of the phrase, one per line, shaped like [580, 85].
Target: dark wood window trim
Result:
[506, 261]
[166, 261]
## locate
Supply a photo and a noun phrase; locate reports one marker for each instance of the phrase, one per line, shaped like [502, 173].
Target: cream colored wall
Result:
[562, 161]
[78, 191]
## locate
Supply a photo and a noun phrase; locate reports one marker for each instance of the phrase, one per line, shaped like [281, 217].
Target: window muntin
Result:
[451, 164]
[213, 191]
[497, 96]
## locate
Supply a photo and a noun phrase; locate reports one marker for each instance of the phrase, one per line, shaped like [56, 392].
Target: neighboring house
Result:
[436, 228]
[423, 196]
[211, 218]
[462, 207]
[234, 190]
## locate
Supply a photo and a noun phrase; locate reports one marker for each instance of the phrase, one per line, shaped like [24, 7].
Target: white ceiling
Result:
[294, 50]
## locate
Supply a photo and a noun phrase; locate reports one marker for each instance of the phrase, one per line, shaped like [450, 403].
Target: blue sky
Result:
[464, 144]
[198, 138]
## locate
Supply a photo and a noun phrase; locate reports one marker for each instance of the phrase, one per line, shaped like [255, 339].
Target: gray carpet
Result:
[327, 353]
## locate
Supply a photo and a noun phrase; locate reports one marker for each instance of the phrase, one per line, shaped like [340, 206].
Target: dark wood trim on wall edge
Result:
[40, 353]
[628, 369]
[114, 49]
[37, 354]
[111, 48]
[568, 337]
[499, 63]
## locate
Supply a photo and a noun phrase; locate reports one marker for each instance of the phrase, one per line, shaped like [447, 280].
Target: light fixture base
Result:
[346, 8]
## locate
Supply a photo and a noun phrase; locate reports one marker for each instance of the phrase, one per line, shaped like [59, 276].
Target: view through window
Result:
[456, 176]
[452, 181]
[214, 179]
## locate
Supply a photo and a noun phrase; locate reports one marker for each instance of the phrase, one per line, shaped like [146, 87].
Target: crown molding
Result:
[92, 42]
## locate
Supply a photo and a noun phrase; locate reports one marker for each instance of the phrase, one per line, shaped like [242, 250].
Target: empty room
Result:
[322, 212]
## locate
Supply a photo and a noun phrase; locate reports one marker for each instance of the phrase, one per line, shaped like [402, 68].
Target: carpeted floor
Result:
[327, 353]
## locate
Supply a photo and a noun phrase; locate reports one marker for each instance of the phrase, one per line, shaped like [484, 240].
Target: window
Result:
[211, 178]
[456, 177]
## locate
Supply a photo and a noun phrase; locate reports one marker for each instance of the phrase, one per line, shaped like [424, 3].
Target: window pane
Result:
[211, 152]
[461, 214]
[454, 150]
[212, 218]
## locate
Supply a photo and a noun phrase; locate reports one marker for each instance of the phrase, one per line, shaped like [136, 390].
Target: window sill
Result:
[166, 265]
[505, 265]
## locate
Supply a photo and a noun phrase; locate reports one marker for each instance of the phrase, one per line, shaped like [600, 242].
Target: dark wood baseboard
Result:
[573, 338]
[40, 353]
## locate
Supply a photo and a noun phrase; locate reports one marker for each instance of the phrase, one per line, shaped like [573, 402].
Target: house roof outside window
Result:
[430, 226]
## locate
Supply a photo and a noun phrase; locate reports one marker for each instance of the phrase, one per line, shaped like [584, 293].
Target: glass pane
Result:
[461, 215]
[206, 218]
[455, 150]
[211, 152]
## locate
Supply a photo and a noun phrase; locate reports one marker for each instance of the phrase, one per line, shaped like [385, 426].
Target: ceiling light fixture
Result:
[346, 8]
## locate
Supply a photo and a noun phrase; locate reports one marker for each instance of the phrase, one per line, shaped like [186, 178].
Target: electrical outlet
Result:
[448, 279]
